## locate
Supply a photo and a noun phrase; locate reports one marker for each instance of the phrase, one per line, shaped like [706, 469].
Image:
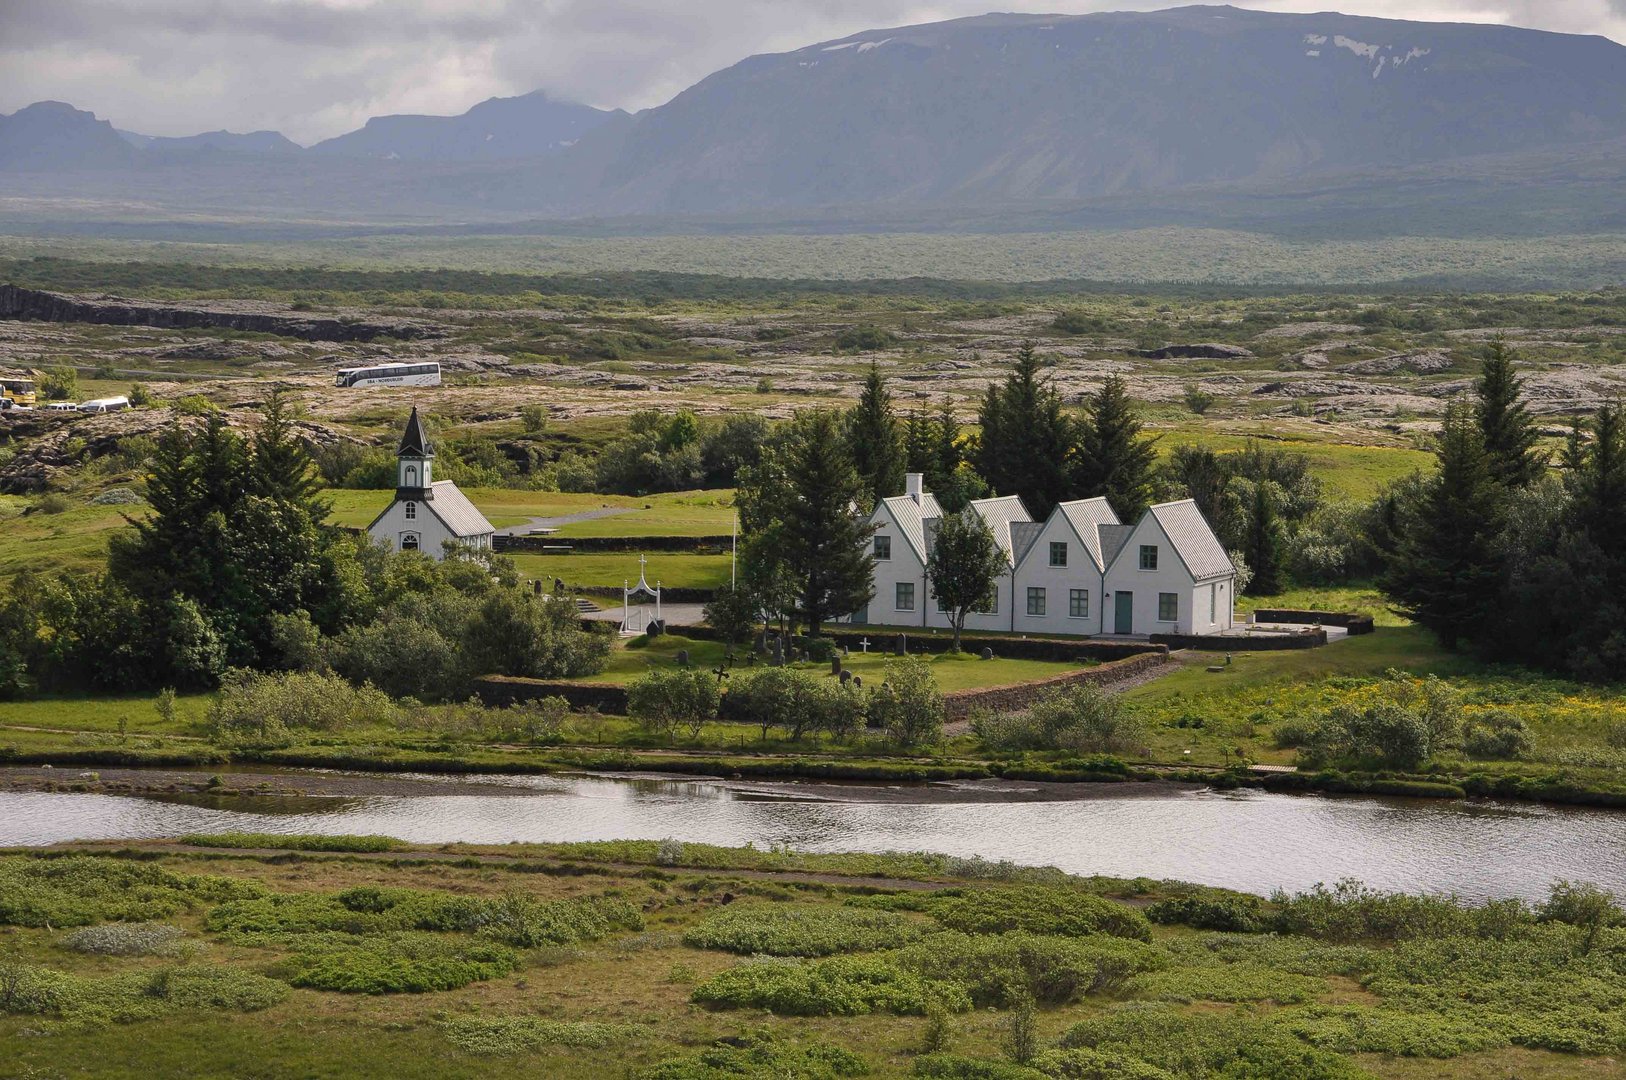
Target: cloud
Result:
[316, 68]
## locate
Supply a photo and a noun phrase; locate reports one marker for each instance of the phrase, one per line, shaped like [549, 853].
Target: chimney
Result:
[914, 485]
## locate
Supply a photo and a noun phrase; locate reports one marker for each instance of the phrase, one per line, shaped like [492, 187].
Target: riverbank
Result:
[672, 961]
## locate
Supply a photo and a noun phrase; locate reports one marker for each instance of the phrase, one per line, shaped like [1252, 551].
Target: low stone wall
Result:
[884, 639]
[961, 703]
[552, 545]
[1309, 638]
[1348, 620]
[507, 690]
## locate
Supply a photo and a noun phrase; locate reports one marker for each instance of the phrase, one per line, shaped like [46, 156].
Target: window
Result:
[411, 511]
[993, 603]
[411, 476]
[1148, 556]
[1213, 602]
[942, 605]
[1058, 553]
[409, 541]
[1168, 606]
[883, 548]
[1078, 603]
[906, 596]
[1035, 600]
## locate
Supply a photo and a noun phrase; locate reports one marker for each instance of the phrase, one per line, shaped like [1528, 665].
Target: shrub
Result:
[1205, 1044]
[665, 702]
[796, 930]
[1086, 719]
[522, 1034]
[1035, 909]
[908, 706]
[266, 709]
[1349, 911]
[364, 910]
[1239, 914]
[762, 1056]
[839, 986]
[139, 395]
[955, 1067]
[1228, 982]
[1351, 1030]
[1003, 970]
[865, 337]
[1197, 399]
[1075, 321]
[403, 963]
[128, 939]
[1082, 1064]
[133, 996]
[292, 841]
[525, 922]
[1496, 735]
[78, 890]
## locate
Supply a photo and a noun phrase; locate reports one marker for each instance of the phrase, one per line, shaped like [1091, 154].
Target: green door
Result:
[1125, 609]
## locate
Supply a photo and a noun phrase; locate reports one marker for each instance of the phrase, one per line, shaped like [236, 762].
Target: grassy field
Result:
[963, 672]
[684, 513]
[632, 960]
[615, 569]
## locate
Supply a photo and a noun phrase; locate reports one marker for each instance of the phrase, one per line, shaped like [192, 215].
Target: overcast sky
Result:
[315, 68]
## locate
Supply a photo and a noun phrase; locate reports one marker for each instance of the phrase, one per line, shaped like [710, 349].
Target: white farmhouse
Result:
[427, 513]
[1081, 572]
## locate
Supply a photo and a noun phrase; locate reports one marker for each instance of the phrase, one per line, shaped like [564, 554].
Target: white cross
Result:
[864, 644]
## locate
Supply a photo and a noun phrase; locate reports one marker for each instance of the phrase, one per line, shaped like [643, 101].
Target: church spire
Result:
[412, 483]
[414, 442]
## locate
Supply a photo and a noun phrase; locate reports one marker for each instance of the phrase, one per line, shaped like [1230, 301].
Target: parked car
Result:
[106, 404]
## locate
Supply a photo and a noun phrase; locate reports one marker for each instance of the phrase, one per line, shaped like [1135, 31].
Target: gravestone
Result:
[900, 647]
[987, 653]
[759, 645]
[846, 676]
[536, 587]
[845, 651]
[835, 665]
[858, 681]
[683, 658]
[778, 657]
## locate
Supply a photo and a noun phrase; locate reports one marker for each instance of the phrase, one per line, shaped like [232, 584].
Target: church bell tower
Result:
[412, 483]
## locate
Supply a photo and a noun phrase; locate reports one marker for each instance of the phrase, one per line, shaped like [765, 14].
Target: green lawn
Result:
[73, 540]
[139, 712]
[964, 672]
[1363, 598]
[1347, 470]
[673, 571]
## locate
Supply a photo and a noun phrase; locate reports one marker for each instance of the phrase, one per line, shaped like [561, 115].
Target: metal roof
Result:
[452, 507]
[911, 516]
[1087, 516]
[414, 443]
[1001, 516]
[1113, 539]
[1193, 539]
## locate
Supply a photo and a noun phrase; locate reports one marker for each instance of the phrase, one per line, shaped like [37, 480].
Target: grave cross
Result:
[863, 643]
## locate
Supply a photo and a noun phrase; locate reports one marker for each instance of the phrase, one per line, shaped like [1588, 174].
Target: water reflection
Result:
[1245, 840]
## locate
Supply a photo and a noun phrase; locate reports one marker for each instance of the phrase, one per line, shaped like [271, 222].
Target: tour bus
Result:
[106, 404]
[426, 373]
[18, 390]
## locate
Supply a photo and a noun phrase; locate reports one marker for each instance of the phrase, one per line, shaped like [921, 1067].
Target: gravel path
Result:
[532, 524]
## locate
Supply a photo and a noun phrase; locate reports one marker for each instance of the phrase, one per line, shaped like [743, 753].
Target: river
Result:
[1252, 841]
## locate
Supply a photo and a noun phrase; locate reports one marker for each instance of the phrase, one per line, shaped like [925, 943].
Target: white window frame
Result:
[1039, 593]
[1213, 602]
[411, 511]
[899, 591]
[1172, 596]
[1144, 550]
[1058, 547]
[1073, 596]
[881, 538]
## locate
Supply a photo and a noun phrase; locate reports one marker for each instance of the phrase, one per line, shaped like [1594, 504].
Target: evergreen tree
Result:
[1262, 540]
[877, 444]
[963, 567]
[1114, 459]
[1597, 482]
[1027, 443]
[825, 544]
[1448, 569]
[281, 469]
[920, 446]
[947, 455]
[1509, 431]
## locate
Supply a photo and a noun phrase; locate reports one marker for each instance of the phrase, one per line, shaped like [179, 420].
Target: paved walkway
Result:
[674, 614]
[548, 524]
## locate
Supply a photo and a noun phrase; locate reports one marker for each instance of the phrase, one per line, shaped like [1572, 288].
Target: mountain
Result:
[1025, 107]
[253, 142]
[50, 136]
[497, 129]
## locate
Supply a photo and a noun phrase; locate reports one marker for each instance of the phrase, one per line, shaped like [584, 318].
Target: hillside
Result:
[497, 129]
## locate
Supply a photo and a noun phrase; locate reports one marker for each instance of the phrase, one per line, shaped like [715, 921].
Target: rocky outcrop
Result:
[17, 302]
[1206, 350]
[1421, 362]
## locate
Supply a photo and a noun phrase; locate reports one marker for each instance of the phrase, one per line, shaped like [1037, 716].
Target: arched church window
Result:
[409, 541]
[411, 476]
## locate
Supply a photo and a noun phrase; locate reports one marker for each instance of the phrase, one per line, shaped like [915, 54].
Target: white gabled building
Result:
[1081, 572]
[426, 512]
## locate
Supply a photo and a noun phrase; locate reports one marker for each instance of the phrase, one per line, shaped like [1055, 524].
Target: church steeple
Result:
[413, 463]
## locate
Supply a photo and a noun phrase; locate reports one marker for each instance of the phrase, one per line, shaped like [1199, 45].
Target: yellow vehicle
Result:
[18, 388]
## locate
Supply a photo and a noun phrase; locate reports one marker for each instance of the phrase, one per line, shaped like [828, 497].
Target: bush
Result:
[1496, 735]
[365, 910]
[762, 1056]
[128, 939]
[1035, 909]
[908, 706]
[525, 922]
[531, 637]
[1082, 719]
[78, 890]
[665, 702]
[1197, 399]
[796, 703]
[59, 384]
[1349, 911]
[267, 709]
[403, 963]
[796, 930]
[1238, 914]
[292, 842]
[839, 986]
[1204, 1044]
[865, 338]
[1001, 971]
[955, 1067]
[1081, 1064]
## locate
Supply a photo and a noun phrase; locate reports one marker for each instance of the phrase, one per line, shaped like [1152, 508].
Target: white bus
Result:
[106, 404]
[421, 374]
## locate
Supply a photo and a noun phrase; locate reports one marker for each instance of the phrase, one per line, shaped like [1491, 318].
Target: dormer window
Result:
[411, 511]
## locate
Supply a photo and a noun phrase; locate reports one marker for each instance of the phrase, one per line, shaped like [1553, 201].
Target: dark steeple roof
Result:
[414, 443]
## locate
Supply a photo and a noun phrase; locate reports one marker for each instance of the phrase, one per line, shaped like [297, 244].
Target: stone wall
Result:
[1308, 638]
[1349, 620]
[506, 690]
[689, 545]
[961, 703]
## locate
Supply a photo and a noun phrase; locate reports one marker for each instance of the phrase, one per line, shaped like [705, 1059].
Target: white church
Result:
[1080, 572]
[427, 513]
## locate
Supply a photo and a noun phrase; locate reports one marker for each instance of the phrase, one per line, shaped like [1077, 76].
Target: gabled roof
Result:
[910, 517]
[1193, 539]
[414, 443]
[461, 517]
[1002, 516]
[1087, 516]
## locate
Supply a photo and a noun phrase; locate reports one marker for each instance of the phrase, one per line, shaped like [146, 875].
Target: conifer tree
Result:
[920, 446]
[948, 454]
[281, 468]
[877, 444]
[1027, 443]
[1114, 459]
[1262, 542]
[1509, 431]
[1448, 568]
[825, 543]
